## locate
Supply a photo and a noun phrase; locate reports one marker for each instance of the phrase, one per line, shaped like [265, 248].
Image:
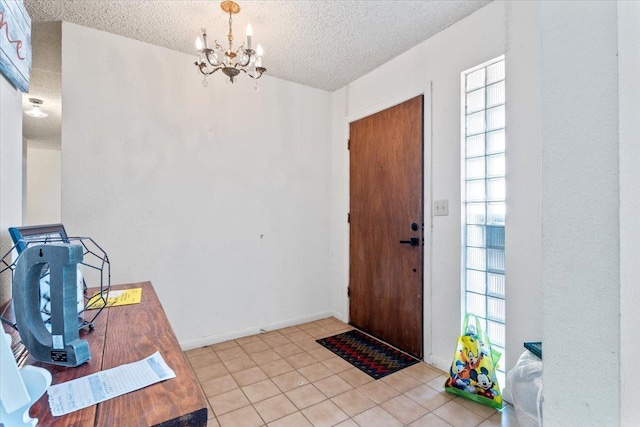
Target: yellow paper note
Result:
[116, 298]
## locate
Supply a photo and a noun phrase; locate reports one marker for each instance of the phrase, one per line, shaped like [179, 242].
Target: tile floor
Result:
[284, 378]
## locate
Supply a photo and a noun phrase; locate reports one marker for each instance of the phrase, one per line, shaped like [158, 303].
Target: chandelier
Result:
[231, 62]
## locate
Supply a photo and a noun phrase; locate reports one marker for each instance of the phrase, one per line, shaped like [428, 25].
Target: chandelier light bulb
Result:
[199, 44]
[249, 34]
[259, 50]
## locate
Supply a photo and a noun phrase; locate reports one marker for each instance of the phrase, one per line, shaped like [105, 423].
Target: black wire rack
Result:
[96, 271]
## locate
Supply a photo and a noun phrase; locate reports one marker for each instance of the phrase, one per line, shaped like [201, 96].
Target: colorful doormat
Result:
[371, 356]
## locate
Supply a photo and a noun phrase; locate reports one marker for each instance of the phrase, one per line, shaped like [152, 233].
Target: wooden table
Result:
[127, 334]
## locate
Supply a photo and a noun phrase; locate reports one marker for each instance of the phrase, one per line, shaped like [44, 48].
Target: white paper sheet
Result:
[95, 388]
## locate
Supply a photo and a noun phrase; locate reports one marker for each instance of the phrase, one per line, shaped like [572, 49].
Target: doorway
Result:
[386, 260]
[42, 135]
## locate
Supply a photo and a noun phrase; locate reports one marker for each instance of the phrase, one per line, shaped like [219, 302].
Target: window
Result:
[483, 199]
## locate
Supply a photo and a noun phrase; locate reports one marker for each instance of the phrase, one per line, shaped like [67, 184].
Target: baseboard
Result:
[253, 330]
[442, 364]
[339, 316]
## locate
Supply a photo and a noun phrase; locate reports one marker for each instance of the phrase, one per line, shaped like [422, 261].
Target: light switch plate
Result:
[440, 207]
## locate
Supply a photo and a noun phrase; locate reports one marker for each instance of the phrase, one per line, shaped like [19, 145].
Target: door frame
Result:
[426, 90]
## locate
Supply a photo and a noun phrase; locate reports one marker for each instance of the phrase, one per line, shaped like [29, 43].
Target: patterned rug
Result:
[371, 356]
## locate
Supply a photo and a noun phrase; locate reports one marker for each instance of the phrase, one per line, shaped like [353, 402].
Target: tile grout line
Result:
[305, 350]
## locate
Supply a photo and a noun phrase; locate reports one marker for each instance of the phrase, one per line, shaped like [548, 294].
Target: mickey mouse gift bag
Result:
[473, 370]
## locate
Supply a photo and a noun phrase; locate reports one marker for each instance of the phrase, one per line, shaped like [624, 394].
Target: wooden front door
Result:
[386, 225]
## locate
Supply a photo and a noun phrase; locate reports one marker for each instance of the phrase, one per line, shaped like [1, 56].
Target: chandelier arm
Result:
[208, 53]
[249, 53]
[204, 70]
[201, 66]
[260, 70]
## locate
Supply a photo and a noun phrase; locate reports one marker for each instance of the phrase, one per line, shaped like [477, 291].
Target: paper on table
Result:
[116, 298]
[95, 388]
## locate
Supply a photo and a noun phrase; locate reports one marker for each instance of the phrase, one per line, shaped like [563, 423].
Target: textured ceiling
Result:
[322, 44]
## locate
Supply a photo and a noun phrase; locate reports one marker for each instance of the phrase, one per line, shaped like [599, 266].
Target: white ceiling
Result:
[321, 43]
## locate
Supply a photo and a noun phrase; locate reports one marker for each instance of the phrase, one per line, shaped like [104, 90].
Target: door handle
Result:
[414, 241]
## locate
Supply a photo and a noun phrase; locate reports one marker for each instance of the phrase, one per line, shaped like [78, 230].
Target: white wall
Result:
[490, 32]
[217, 195]
[339, 204]
[581, 214]
[10, 172]
[43, 184]
[629, 130]
[523, 254]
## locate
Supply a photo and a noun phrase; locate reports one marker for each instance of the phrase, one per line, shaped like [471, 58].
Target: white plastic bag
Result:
[525, 384]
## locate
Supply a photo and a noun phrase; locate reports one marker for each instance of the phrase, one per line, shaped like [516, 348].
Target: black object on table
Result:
[534, 347]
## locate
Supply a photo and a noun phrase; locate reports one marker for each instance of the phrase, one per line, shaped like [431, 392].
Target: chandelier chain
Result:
[230, 37]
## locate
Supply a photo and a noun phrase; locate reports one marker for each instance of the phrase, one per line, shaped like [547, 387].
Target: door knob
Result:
[414, 241]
